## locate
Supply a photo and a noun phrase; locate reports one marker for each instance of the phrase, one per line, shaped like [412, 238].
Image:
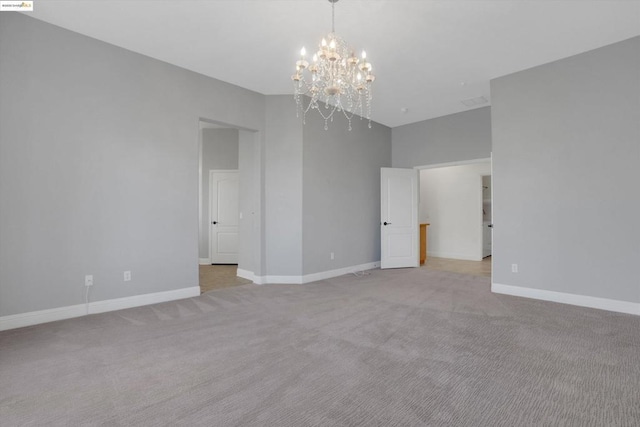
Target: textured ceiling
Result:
[428, 56]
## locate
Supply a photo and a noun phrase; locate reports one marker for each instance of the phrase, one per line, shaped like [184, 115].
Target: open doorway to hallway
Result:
[228, 211]
[218, 194]
[457, 207]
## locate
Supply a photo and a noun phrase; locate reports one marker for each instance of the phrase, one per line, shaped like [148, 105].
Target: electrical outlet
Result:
[331, 255]
[127, 276]
[88, 280]
[514, 268]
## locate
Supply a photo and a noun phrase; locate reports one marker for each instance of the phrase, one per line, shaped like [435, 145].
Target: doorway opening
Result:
[229, 207]
[458, 210]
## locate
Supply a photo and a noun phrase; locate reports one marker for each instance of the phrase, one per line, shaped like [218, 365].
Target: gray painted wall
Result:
[220, 150]
[452, 138]
[251, 205]
[341, 192]
[283, 187]
[99, 166]
[566, 147]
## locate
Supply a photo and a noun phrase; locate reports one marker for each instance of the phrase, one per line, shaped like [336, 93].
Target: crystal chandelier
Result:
[335, 81]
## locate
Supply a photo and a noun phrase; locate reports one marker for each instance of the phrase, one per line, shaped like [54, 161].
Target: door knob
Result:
[214, 222]
[387, 223]
[490, 225]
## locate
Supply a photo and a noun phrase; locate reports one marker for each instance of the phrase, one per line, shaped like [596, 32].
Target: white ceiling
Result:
[427, 55]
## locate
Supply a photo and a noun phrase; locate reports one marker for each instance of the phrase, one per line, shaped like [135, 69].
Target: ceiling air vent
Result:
[472, 102]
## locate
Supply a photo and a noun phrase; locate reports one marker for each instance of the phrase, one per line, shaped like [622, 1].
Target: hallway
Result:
[219, 276]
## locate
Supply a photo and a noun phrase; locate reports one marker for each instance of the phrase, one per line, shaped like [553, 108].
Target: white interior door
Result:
[224, 212]
[399, 218]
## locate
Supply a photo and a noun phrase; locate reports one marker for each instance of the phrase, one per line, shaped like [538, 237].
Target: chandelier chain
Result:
[333, 16]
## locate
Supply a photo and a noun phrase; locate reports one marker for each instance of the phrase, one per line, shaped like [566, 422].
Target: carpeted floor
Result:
[408, 347]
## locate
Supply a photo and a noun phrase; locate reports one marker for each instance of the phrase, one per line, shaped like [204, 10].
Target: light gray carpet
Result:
[395, 348]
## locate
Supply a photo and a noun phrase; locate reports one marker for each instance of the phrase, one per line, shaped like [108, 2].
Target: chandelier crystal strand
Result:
[336, 78]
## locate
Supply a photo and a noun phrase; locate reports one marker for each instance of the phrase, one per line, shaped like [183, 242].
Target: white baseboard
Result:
[287, 280]
[246, 274]
[307, 278]
[572, 299]
[53, 314]
[451, 255]
[41, 316]
[263, 280]
[204, 261]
